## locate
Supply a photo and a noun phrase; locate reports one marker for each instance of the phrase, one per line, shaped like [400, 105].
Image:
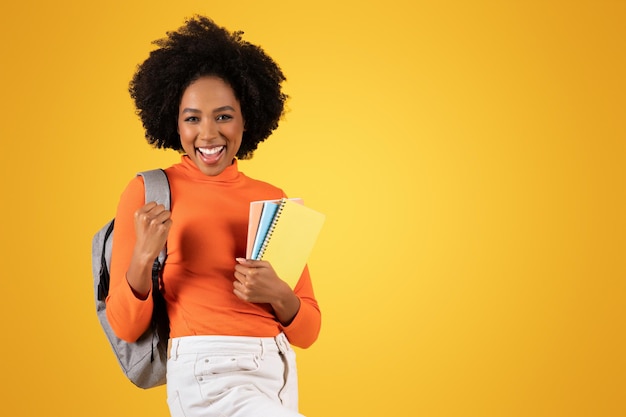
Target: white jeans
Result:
[232, 376]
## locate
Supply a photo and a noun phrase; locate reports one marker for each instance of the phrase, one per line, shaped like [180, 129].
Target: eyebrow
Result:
[217, 110]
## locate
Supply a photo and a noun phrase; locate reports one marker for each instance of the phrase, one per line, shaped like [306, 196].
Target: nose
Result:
[208, 129]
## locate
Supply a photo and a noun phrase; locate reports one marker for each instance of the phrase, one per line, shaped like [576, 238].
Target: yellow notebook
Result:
[290, 239]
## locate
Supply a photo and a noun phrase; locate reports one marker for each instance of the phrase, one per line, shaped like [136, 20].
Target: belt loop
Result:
[262, 348]
[173, 349]
[282, 343]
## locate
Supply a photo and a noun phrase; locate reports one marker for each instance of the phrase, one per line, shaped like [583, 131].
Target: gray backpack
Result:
[144, 361]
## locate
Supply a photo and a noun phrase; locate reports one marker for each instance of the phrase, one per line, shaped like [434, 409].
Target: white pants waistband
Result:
[240, 344]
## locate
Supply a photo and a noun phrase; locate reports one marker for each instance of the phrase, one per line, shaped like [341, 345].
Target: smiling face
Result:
[210, 124]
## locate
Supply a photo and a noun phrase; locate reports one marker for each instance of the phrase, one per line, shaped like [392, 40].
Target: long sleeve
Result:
[128, 315]
[305, 327]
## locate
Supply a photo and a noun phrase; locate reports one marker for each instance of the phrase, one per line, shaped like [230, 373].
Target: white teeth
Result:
[211, 151]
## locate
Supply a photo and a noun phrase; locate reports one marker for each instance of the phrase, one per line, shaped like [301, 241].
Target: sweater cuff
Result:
[305, 326]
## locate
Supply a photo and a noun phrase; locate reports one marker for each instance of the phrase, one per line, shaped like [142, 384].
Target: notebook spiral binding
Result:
[271, 228]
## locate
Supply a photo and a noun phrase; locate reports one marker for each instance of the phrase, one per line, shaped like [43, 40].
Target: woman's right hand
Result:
[152, 225]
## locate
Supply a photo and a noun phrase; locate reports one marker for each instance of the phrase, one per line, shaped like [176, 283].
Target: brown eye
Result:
[223, 117]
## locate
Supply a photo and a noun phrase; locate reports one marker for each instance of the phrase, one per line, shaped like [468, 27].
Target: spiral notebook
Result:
[290, 237]
[259, 221]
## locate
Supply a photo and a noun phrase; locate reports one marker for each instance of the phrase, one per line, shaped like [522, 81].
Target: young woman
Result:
[214, 97]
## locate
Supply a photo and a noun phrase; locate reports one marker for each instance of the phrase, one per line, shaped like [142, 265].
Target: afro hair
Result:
[202, 48]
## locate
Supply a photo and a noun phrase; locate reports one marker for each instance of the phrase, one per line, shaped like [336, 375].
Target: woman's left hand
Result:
[257, 282]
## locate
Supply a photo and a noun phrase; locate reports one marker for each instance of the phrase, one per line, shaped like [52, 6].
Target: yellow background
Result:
[469, 155]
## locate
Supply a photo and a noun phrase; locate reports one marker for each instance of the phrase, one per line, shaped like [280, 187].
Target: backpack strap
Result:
[157, 189]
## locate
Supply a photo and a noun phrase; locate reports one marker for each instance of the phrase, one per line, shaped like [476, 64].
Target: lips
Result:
[210, 155]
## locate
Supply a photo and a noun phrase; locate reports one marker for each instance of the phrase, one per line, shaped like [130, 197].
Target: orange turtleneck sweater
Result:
[209, 230]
